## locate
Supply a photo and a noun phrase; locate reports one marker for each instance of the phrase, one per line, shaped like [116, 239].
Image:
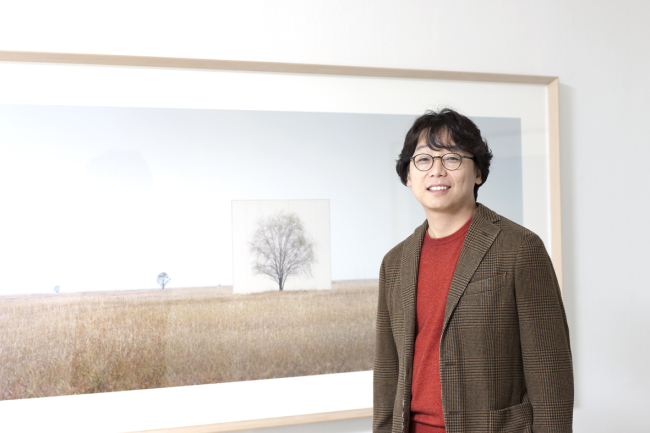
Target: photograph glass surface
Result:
[104, 200]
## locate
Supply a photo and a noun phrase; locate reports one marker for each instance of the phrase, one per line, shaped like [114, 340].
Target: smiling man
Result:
[471, 330]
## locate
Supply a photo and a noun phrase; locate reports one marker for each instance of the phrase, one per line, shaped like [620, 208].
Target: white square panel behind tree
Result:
[281, 245]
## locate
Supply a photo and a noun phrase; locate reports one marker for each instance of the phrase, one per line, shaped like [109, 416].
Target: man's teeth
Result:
[438, 188]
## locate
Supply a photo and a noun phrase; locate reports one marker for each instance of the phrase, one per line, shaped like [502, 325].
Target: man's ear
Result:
[408, 179]
[479, 179]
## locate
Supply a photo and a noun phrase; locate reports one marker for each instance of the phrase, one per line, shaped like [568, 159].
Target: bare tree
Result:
[163, 279]
[282, 248]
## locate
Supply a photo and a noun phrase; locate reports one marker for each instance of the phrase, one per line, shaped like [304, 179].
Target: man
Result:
[471, 330]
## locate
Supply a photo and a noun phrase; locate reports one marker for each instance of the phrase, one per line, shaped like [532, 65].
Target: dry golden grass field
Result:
[90, 342]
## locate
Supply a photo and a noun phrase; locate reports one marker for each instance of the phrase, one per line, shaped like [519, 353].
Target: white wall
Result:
[598, 48]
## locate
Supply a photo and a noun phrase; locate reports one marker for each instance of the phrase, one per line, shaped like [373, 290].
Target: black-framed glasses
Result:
[451, 161]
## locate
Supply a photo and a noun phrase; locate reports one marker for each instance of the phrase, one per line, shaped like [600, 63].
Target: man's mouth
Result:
[439, 188]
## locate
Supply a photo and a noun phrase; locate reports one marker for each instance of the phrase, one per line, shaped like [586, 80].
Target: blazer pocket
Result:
[485, 285]
[514, 419]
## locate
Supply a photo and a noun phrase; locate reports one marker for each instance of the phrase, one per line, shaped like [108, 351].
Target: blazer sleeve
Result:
[544, 335]
[386, 366]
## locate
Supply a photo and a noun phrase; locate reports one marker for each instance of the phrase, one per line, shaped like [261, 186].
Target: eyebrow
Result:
[452, 149]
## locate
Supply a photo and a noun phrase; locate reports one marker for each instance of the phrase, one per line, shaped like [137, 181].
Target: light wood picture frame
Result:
[285, 79]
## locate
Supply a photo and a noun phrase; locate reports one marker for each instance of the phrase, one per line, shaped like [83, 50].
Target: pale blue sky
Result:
[101, 198]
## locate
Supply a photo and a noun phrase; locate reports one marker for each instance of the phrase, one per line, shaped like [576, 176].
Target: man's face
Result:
[443, 191]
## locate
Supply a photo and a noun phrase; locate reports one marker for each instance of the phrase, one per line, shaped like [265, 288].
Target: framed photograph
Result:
[195, 244]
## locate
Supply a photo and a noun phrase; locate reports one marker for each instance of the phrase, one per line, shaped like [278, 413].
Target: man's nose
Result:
[437, 169]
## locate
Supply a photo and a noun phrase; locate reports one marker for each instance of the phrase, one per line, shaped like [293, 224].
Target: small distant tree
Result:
[282, 248]
[163, 279]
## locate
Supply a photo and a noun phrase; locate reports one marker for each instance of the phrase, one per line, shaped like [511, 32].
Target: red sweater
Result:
[437, 265]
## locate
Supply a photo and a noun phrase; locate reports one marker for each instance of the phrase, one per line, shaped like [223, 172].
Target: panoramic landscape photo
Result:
[148, 248]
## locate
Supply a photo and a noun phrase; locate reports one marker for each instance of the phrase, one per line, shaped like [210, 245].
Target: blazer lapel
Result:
[409, 282]
[480, 236]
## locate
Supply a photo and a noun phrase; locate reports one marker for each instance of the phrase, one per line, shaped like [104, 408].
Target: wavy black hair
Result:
[436, 128]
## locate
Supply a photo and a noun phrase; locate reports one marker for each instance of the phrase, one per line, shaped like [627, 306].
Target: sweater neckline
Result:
[447, 239]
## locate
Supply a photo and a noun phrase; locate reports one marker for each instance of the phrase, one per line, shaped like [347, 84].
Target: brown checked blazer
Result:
[505, 360]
